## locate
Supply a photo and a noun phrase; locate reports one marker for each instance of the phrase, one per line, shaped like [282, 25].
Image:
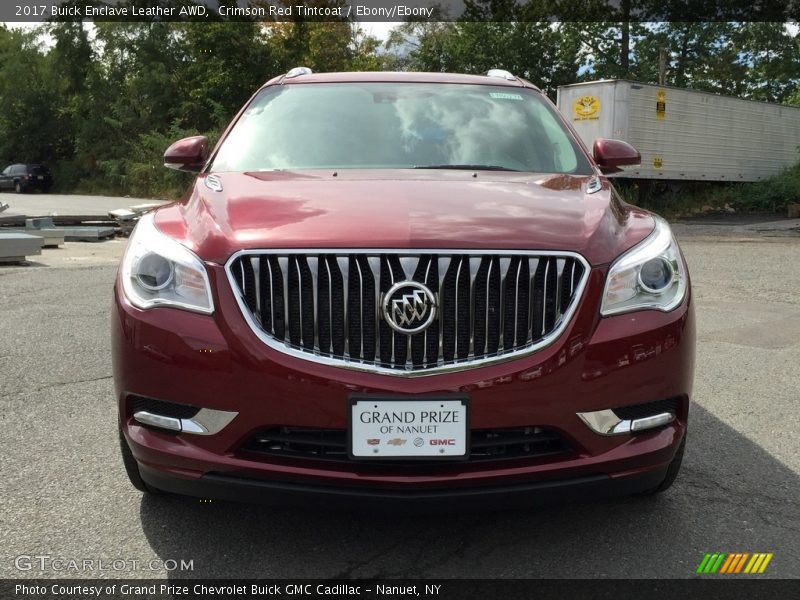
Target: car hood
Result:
[403, 209]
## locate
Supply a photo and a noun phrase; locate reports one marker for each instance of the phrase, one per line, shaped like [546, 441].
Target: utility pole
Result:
[625, 41]
[662, 66]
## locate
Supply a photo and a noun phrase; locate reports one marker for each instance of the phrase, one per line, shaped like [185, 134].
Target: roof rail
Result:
[297, 72]
[502, 73]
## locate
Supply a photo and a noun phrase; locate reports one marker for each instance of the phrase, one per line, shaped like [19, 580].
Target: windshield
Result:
[399, 126]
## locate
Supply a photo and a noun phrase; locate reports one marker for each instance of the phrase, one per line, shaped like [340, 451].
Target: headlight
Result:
[158, 271]
[650, 275]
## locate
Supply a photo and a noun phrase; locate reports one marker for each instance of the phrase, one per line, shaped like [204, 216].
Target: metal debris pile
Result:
[22, 236]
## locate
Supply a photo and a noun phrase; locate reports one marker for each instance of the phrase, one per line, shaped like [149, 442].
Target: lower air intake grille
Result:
[648, 409]
[159, 407]
[331, 444]
[407, 313]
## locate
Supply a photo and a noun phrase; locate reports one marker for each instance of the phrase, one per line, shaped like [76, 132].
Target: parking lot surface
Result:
[43, 205]
[65, 494]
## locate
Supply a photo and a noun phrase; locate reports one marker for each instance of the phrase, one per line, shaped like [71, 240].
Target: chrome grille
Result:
[325, 305]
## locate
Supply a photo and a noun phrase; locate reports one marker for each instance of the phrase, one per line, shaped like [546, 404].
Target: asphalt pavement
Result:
[65, 494]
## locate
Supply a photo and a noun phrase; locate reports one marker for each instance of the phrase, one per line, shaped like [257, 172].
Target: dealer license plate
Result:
[40, 177]
[413, 428]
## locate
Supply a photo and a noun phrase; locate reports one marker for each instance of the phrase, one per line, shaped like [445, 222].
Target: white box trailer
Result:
[685, 134]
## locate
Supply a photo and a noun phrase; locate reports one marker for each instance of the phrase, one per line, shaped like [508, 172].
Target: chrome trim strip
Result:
[606, 422]
[207, 421]
[148, 418]
[359, 365]
[652, 421]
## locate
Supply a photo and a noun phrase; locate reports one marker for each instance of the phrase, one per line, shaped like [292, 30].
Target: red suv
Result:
[406, 288]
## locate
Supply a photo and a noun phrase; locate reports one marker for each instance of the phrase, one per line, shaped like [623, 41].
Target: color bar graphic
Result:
[734, 563]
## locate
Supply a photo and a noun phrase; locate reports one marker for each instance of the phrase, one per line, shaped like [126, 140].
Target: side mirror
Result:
[612, 154]
[188, 154]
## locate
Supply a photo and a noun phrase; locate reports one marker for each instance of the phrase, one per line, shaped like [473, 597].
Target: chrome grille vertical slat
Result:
[283, 263]
[313, 265]
[360, 310]
[544, 295]
[489, 304]
[344, 262]
[551, 295]
[300, 289]
[572, 277]
[374, 263]
[505, 263]
[254, 264]
[264, 286]
[455, 306]
[533, 265]
[324, 309]
[426, 332]
[559, 266]
[392, 332]
[302, 316]
[330, 302]
[444, 267]
[488, 284]
[271, 296]
[474, 265]
[516, 300]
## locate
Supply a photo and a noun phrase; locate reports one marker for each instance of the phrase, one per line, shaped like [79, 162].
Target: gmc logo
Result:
[450, 442]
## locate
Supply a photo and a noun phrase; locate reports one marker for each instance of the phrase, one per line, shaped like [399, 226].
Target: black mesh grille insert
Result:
[331, 305]
[160, 407]
[331, 444]
[648, 409]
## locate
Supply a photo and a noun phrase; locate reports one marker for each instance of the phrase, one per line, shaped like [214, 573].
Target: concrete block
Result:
[122, 214]
[14, 247]
[53, 238]
[39, 223]
[87, 234]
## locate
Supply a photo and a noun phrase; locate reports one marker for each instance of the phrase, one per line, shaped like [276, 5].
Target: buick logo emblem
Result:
[409, 307]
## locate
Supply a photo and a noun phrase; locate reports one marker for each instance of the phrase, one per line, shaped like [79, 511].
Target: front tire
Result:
[132, 467]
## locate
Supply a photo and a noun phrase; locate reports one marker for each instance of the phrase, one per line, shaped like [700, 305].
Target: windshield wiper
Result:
[467, 167]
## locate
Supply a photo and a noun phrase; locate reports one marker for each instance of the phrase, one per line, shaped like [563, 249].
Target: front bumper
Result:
[277, 493]
[217, 362]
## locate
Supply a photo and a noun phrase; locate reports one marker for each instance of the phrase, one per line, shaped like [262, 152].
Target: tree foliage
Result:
[100, 103]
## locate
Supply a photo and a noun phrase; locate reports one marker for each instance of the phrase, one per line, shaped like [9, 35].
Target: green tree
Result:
[223, 63]
[29, 99]
[493, 34]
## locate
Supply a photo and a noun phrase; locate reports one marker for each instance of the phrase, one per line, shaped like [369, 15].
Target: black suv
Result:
[23, 178]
